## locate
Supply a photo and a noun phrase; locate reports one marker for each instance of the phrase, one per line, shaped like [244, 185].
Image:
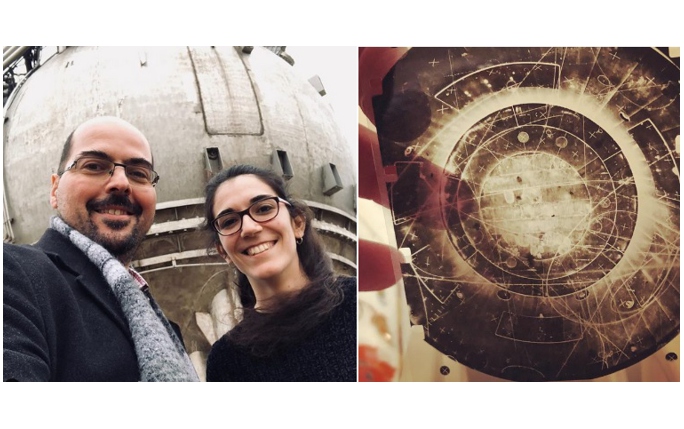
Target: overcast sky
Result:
[338, 70]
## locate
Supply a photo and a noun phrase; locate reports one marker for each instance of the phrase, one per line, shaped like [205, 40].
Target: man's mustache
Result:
[115, 200]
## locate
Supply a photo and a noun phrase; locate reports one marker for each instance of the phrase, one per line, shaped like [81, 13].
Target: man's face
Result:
[110, 210]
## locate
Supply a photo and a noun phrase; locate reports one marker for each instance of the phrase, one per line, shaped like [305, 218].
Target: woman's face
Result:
[264, 252]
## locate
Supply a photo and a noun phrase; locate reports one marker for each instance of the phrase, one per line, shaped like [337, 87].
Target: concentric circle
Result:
[542, 201]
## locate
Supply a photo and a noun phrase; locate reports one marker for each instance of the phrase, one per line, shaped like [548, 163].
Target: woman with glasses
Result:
[299, 318]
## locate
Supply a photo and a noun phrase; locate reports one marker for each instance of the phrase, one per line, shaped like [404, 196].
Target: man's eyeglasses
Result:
[261, 211]
[138, 174]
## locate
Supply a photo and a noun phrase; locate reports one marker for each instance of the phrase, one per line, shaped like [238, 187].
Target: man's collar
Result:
[138, 278]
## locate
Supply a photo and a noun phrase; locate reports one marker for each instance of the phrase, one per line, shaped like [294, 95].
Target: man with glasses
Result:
[73, 307]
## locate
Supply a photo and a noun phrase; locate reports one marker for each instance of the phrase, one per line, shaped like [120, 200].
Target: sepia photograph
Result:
[530, 197]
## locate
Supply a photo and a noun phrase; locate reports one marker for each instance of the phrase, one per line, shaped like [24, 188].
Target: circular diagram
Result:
[539, 203]
[545, 202]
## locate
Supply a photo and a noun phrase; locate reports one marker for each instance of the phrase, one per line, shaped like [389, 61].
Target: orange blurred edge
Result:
[371, 367]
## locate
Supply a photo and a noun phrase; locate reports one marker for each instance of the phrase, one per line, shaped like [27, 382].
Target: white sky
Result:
[337, 67]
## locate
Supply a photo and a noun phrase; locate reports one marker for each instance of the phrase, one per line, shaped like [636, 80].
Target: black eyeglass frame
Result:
[152, 182]
[241, 215]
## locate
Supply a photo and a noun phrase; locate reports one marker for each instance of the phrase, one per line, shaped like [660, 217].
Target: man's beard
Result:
[121, 248]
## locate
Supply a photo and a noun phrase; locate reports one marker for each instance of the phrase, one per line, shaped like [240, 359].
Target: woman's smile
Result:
[259, 248]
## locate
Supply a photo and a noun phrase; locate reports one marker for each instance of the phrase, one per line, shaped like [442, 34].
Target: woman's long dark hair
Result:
[294, 316]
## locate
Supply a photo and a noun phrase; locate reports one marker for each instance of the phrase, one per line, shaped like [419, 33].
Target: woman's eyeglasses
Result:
[261, 211]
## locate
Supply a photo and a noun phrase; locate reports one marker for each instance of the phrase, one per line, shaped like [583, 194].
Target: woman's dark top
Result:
[328, 354]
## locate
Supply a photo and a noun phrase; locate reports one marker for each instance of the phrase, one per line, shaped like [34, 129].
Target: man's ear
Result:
[53, 191]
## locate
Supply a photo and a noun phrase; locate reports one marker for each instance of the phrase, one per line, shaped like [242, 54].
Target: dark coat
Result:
[61, 320]
[328, 354]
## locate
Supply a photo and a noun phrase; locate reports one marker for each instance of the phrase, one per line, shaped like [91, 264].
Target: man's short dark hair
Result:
[66, 150]
[65, 153]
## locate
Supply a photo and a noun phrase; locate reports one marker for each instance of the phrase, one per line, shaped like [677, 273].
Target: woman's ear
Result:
[299, 225]
[222, 253]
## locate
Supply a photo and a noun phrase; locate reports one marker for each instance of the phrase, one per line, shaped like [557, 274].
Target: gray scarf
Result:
[161, 355]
